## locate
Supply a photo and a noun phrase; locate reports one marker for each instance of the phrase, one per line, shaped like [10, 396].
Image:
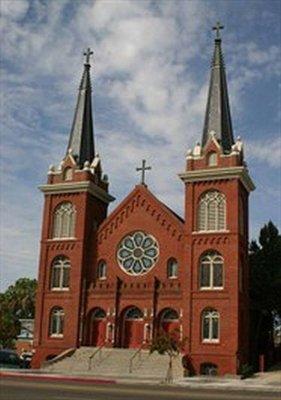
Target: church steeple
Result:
[218, 118]
[81, 141]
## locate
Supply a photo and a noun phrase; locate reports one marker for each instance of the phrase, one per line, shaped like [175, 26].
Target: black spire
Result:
[218, 118]
[81, 141]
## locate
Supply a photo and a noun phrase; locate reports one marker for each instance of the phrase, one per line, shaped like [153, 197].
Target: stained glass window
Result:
[64, 221]
[212, 212]
[137, 253]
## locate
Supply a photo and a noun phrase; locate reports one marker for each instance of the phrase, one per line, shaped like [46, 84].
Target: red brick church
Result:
[118, 280]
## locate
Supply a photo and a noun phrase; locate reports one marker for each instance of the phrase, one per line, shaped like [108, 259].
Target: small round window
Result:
[137, 253]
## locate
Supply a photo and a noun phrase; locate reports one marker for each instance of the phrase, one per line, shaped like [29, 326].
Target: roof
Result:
[218, 117]
[81, 141]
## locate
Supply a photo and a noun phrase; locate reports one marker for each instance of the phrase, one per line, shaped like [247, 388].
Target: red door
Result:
[98, 332]
[171, 326]
[133, 333]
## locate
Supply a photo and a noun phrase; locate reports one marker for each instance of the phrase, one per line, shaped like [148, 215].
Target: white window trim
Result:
[56, 335]
[210, 339]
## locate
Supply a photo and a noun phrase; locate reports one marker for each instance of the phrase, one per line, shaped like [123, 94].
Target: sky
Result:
[150, 77]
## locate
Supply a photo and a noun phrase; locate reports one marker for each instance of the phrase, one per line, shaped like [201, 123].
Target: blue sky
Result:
[150, 79]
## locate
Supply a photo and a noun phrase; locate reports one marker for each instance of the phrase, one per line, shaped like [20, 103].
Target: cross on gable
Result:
[217, 28]
[143, 168]
[88, 53]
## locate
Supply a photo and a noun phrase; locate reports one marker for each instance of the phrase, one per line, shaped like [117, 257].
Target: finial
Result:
[217, 28]
[88, 53]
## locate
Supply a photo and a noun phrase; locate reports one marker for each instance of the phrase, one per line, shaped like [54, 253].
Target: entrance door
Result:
[133, 328]
[133, 335]
[98, 327]
[98, 332]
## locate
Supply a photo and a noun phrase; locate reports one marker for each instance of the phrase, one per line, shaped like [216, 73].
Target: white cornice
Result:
[77, 187]
[219, 173]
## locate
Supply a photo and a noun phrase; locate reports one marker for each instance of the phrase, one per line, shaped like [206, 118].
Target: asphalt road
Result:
[15, 389]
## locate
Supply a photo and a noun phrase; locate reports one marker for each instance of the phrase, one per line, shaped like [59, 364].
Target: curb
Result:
[61, 378]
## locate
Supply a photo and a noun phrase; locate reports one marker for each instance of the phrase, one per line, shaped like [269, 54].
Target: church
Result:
[121, 279]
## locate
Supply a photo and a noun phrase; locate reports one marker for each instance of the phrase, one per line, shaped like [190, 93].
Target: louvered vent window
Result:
[212, 212]
[64, 221]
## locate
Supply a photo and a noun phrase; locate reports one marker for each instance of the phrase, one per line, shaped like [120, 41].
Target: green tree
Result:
[16, 303]
[21, 297]
[10, 325]
[265, 288]
[168, 343]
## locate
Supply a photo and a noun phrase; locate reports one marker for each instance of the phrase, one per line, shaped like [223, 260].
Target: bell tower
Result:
[217, 186]
[76, 201]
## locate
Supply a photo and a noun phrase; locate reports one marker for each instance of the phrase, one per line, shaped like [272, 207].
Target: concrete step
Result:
[117, 363]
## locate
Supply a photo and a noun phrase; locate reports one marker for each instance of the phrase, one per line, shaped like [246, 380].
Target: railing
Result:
[132, 359]
[59, 357]
[94, 355]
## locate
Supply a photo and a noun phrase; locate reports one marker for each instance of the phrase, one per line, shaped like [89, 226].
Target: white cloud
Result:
[13, 9]
[146, 87]
[266, 151]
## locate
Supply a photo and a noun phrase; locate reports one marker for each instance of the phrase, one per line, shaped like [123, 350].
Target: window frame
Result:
[212, 159]
[172, 273]
[211, 315]
[57, 319]
[210, 258]
[206, 216]
[102, 267]
[64, 266]
[64, 219]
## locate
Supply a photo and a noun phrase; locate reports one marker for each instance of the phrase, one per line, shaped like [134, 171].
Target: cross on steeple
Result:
[143, 168]
[217, 28]
[88, 53]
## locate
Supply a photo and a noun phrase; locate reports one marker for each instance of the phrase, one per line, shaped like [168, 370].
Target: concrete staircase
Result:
[116, 363]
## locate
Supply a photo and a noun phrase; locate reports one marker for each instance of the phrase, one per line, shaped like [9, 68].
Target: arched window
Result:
[212, 159]
[64, 221]
[101, 272]
[172, 268]
[169, 315]
[212, 212]
[208, 369]
[56, 322]
[133, 313]
[98, 313]
[67, 174]
[210, 326]
[60, 273]
[211, 271]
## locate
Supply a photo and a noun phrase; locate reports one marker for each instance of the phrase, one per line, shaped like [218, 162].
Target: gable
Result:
[141, 200]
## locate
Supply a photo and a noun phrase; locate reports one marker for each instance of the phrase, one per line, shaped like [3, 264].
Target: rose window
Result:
[137, 253]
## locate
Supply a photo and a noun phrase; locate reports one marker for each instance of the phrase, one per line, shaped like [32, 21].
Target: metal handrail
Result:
[137, 353]
[92, 356]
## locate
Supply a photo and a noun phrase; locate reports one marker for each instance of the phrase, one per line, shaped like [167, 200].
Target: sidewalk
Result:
[266, 382]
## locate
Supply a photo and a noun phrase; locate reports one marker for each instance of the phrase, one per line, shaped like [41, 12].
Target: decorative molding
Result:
[77, 187]
[210, 241]
[161, 217]
[218, 174]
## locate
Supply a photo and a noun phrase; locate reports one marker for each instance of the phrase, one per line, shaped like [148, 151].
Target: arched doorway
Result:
[97, 327]
[169, 321]
[133, 325]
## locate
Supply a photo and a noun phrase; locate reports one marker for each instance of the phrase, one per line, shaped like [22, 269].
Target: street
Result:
[16, 389]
